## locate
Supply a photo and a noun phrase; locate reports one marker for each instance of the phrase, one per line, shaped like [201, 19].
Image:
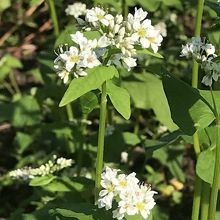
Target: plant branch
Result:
[101, 138]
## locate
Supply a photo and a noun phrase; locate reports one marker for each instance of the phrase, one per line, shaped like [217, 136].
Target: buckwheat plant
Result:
[204, 54]
[130, 196]
[52, 166]
[118, 43]
[104, 44]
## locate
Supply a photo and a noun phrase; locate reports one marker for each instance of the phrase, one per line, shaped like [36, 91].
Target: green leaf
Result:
[205, 165]
[24, 112]
[131, 138]
[151, 53]
[92, 81]
[120, 99]
[137, 217]
[188, 108]
[42, 180]
[64, 37]
[150, 5]
[152, 145]
[214, 6]
[4, 5]
[66, 184]
[121, 142]
[88, 102]
[174, 3]
[147, 93]
[84, 211]
[172, 157]
[23, 140]
[92, 34]
[206, 94]
[7, 63]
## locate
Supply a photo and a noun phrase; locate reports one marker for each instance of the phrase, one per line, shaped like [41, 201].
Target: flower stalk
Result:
[54, 19]
[53, 15]
[195, 71]
[205, 201]
[101, 138]
[216, 178]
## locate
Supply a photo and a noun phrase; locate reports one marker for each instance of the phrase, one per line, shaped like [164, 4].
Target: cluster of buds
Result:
[120, 39]
[130, 197]
[204, 54]
[77, 9]
[50, 167]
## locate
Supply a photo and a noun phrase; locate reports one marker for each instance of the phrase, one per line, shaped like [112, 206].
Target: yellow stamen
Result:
[142, 32]
[140, 205]
[152, 39]
[123, 183]
[75, 58]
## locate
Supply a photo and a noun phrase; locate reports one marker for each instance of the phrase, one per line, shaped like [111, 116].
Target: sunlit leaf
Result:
[92, 81]
[120, 99]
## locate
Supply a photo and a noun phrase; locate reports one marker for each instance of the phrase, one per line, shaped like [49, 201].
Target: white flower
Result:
[124, 157]
[45, 169]
[138, 16]
[108, 182]
[70, 57]
[96, 15]
[186, 50]
[209, 49]
[64, 75]
[154, 39]
[144, 201]
[109, 130]
[212, 71]
[203, 53]
[130, 197]
[89, 59]
[161, 26]
[141, 30]
[126, 45]
[129, 62]
[79, 39]
[125, 183]
[103, 41]
[77, 9]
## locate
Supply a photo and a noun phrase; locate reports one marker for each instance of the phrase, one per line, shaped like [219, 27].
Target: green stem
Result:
[216, 179]
[205, 201]
[81, 145]
[9, 88]
[14, 83]
[195, 71]
[214, 104]
[53, 15]
[124, 8]
[101, 138]
[196, 198]
[69, 112]
[54, 18]
[199, 14]
[198, 183]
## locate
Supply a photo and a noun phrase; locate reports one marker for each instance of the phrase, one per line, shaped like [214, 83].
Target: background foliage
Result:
[33, 127]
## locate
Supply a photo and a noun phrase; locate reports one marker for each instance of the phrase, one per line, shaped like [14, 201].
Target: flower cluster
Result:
[77, 9]
[77, 58]
[117, 45]
[130, 196]
[50, 167]
[203, 53]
